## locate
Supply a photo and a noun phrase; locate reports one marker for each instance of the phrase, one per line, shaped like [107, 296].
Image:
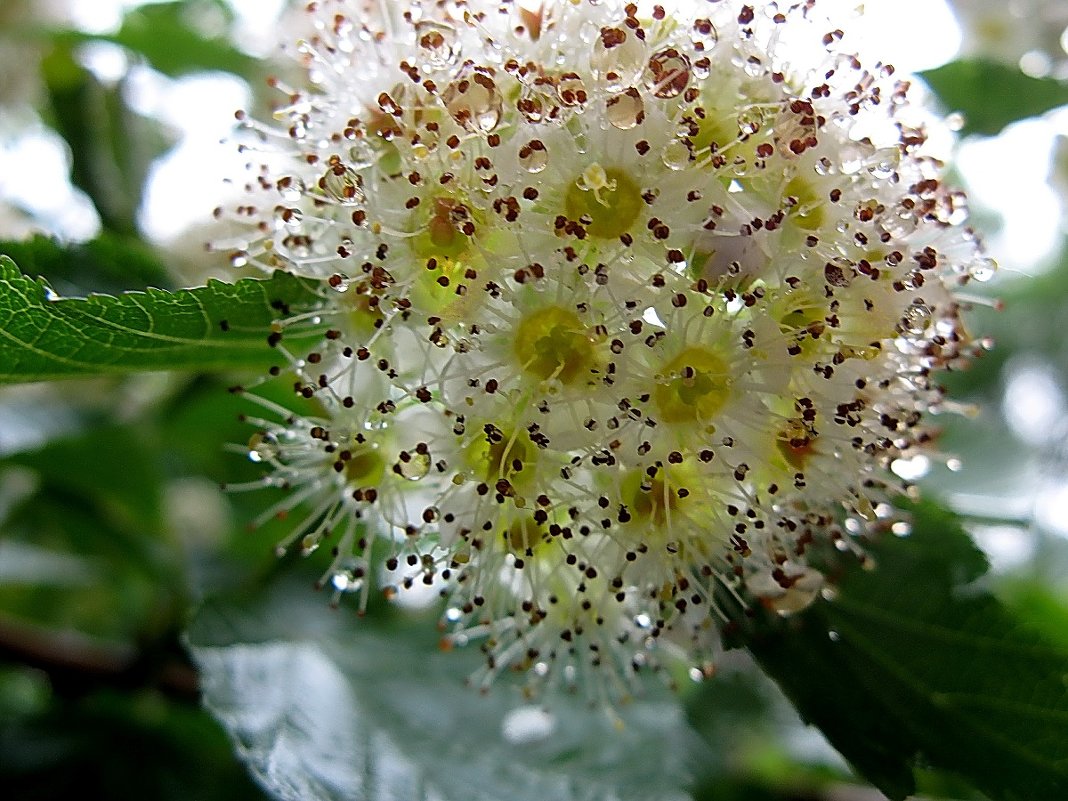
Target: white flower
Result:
[1029, 33]
[650, 302]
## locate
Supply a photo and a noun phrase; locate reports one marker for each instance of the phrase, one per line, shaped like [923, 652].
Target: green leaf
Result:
[913, 665]
[80, 747]
[109, 263]
[323, 705]
[992, 95]
[216, 327]
[111, 146]
[177, 38]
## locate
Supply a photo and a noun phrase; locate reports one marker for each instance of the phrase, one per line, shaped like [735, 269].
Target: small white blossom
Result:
[628, 307]
[1027, 33]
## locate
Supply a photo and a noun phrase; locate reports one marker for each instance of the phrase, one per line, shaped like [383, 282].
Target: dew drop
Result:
[618, 58]
[290, 218]
[291, 188]
[438, 45]
[983, 269]
[676, 155]
[626, 110]
[341, 582]
[262, 447]
[750, 121]
[668, 74]
[703, 35]
[531, 107]
[343, 184]
[901, 528]
[415, 467]
[533, 157]
[474, 102]
[754, 67]
[916, 319]
[572, 91]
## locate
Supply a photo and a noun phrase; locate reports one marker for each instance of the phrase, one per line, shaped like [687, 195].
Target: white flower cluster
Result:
[1032, 34]
[628, 306]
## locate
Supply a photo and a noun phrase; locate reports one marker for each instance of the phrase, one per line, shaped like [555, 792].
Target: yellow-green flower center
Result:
[364, 467]
[695, 386]
[607, 197]
[553, 343]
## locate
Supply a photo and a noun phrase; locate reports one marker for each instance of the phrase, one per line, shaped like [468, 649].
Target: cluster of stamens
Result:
[626, 309]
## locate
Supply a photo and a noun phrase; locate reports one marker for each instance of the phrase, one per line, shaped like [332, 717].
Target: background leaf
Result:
[176, 38]
[913, 664]
[324, 706]
[108, 263]
[991, 94]
[220, 326]
[111, 145]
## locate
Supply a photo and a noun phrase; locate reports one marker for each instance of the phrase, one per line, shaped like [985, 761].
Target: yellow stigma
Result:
[607, 197]
[808, 213]
[552, 343]
[650, 499]
[524, 535]
[694, 387]
[364, 468]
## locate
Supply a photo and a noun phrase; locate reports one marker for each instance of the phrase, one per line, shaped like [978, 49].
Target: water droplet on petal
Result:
[983, 269]
[413, 466]
[343, 184]
[676, 155]
[531, 106]
[437, 44]
[916, 319]
[618, 58]
[750, 121]
[668, 74]
[704, 35]
[291, 188]
[290, 218]
[572, 91]
[626, 110]
[474, 102]
[533, 157]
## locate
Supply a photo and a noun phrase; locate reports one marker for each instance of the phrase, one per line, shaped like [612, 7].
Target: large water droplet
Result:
[262, 447]
[343, 184]
[474, 102]
[438, 45]
[618, 58]
[676, 155]
[625, 111]
[533, 157]
[916, 319]
[413, 465]
[572, 91]
[704, 35]
[668, 73]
